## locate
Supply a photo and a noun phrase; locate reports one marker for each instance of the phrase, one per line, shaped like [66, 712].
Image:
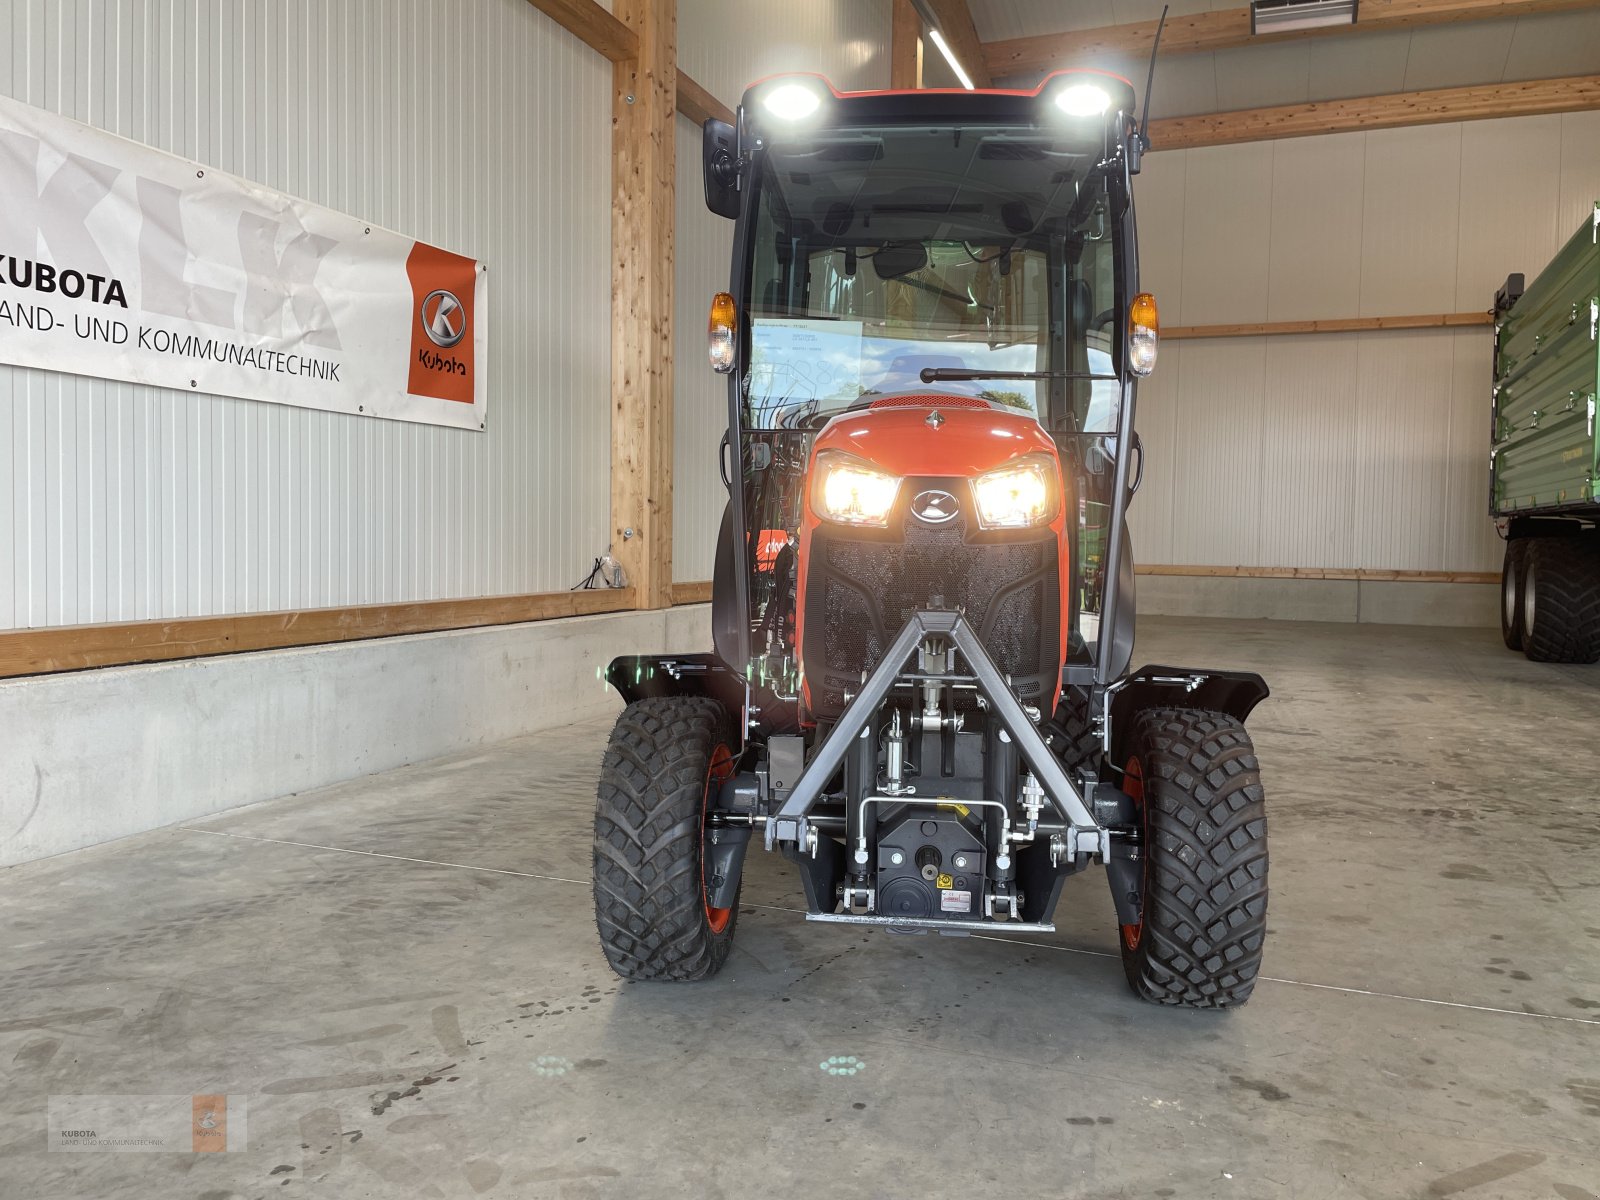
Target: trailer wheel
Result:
[1561, 600]
[1511, 572]
[666, 757]
[1195, 782]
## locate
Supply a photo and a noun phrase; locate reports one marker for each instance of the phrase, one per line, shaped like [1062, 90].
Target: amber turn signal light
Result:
[720, 332]
[1144, 332]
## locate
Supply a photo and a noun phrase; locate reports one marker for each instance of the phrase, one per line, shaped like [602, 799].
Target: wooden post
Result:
[643, 143]
[905, 47]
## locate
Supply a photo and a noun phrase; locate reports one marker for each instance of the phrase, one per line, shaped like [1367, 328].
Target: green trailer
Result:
[1544, 465]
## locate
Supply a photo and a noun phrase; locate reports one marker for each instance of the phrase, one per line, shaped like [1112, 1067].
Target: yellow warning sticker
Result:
[945, 881]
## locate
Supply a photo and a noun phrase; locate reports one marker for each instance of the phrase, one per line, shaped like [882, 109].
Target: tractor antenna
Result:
[1150, 80]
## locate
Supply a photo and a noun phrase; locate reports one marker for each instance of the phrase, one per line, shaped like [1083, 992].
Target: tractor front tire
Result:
[1196, 784]
[1070, 732]
[1511, 572]
[1561, 599]
[666, 757]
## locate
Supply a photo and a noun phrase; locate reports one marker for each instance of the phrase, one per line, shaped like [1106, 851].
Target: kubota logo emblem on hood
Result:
[935, 507]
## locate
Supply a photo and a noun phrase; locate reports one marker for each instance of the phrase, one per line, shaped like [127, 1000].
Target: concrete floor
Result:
[400, 974]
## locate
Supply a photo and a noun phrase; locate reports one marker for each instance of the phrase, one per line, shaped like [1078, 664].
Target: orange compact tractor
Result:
[923, 601]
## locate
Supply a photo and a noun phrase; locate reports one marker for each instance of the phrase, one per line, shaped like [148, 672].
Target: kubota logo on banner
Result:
[124, 262]
[441, 354]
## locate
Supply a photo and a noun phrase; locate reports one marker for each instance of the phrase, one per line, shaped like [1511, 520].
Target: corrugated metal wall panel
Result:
[1580, 176]
[1150, 515]
[1554, 45]
[1410, 221]
[700, 396]
[1159, 201]
[1308, 452]
[724, 47]
[1316, 219]
[481, 126]
[1403, 468]
[1540, 46]
[1469, 535]
[1227, 234]
[1000, 19]
[1373, 447]
[1216, 504]
[1506, 228]
[1247, 81]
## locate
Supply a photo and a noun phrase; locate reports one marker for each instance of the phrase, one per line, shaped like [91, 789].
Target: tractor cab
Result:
[923, 597]
[952, 269]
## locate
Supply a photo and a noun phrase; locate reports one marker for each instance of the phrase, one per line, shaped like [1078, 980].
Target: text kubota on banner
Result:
[124, 262]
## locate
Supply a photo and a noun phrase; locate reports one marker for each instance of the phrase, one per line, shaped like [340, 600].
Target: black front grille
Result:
[861, 587]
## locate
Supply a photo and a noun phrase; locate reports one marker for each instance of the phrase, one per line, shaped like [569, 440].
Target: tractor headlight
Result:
[1018, 495]
[850, 492]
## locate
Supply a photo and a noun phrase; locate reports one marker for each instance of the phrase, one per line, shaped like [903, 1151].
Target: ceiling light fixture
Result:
[1287, 16]
[936, 36]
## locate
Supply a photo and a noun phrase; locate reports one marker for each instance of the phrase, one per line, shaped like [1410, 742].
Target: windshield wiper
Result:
[962, 375]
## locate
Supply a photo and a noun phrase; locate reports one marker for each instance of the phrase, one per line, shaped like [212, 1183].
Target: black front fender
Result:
[639, 676]
[1233, 692]
[642, 676]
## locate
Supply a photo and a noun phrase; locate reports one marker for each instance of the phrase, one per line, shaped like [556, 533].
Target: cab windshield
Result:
[883, 257]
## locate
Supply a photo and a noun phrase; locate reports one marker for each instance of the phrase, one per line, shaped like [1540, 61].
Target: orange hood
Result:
[905, 437]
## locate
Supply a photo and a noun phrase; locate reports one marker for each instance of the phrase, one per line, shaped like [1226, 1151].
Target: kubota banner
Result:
[124, 262]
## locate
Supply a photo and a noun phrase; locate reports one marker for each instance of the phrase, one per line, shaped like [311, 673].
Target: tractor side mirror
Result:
[719, 157]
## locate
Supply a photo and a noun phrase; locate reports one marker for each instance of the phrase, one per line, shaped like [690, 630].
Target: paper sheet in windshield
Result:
[802, 366]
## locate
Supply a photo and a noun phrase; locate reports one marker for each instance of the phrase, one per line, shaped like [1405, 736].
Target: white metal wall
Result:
[1540, 46]
[479, 125]
[1340, 450]
[724, 47]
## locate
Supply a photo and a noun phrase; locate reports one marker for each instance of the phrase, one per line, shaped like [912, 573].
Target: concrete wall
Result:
[95, 755]
[1370, 602]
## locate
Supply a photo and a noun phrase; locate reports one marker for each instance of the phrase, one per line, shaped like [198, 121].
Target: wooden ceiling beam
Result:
[593, 26]
[1178, 333]
[1224, 29]
[698, 104]
[1440, 106]
[614, 41]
